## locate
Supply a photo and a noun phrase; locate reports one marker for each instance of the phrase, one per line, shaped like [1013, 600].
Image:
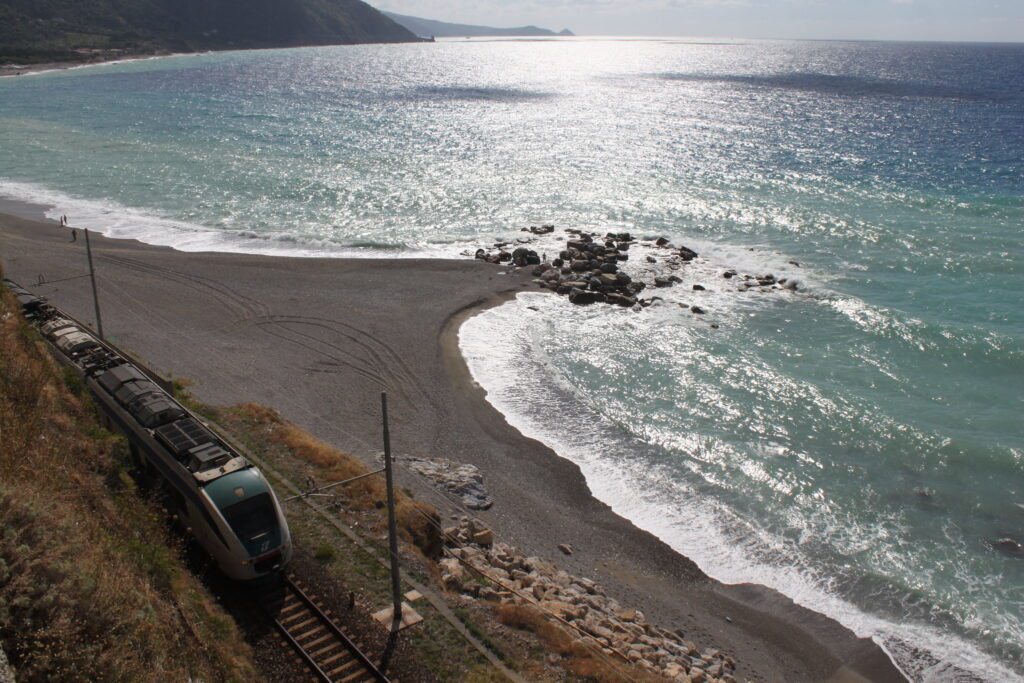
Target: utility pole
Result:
[92, 276]
[396, 590]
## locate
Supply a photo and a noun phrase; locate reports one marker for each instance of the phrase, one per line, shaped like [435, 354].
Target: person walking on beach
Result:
[74, 235]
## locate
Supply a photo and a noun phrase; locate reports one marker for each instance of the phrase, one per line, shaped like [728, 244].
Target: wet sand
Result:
[319, 339]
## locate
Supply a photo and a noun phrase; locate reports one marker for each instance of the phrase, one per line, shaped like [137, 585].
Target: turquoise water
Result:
[857, 444]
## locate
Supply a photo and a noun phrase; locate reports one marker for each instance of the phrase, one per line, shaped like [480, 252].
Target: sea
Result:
[856, 444]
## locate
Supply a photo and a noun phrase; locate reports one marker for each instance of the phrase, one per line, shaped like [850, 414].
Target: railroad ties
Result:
[319, 641]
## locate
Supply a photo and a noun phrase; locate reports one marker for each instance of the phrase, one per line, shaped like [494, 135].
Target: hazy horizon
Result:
[882, 20]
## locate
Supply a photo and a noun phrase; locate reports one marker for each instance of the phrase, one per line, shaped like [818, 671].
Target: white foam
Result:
[503, 359]
[115, 220]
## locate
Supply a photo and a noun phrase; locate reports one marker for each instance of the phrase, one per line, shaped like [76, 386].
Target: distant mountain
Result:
[52, 30]
[428, 28]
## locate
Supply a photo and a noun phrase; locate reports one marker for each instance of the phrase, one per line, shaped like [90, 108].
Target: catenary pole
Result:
[92, 276]
[396, 590]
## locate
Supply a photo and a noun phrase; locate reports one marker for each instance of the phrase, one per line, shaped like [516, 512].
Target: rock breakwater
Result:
[497, 573]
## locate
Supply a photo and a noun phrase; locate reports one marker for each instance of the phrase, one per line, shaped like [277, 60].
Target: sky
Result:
[946, 20]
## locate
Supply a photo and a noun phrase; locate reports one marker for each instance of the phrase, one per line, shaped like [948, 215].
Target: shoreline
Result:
[11, 70]
[401, 329]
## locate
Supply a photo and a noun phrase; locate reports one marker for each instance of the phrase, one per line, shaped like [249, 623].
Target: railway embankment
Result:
[91, 582]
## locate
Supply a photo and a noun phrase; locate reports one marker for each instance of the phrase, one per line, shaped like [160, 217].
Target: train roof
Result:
[71, 340]
[236, 487]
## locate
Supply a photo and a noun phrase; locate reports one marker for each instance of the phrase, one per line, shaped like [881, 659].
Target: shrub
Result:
[325, 553]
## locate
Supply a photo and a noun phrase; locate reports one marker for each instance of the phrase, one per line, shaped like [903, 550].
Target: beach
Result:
[319, 339]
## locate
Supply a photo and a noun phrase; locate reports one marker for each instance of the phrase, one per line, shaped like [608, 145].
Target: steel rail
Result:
[357, 655]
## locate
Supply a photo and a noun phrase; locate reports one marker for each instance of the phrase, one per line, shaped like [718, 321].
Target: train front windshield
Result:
[253, 518]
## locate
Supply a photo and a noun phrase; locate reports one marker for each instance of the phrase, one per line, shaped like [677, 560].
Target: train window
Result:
[252, 518]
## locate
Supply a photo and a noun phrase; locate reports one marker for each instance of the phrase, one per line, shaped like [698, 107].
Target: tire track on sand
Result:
[238, 305]
[363, 353]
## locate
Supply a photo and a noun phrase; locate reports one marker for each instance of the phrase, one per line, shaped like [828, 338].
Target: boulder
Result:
[661, 241]
[488, 594]
[1008, 546]
[626, 614]
[608, 268]
[565, 610]
[662, 282]
[496, 574]
[582, 297]
[483, 537]
[697, 309]
[699, 288]
[460, 479]
[550, 275]
[673, 670]
[687, 254]
[453, 574]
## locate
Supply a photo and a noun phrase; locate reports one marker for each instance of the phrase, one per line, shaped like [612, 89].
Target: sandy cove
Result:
[319, 339]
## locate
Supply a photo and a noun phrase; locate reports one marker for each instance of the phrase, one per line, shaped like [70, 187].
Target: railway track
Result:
[323, 646]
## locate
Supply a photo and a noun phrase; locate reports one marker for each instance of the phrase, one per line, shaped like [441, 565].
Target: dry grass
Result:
[582, 659]
[91, 587]
[418, 523]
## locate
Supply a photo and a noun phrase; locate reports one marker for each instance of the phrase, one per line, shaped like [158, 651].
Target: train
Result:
[218, 495]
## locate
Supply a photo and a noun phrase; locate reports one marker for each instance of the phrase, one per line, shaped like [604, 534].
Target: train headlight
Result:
[245, 563]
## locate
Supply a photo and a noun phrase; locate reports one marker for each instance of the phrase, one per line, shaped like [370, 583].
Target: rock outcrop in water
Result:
[589, 268]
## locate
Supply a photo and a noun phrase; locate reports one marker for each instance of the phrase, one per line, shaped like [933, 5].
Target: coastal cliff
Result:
[60, 30]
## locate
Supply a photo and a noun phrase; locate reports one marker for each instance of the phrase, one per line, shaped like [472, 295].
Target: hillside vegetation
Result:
[91, 584]
[54, 30]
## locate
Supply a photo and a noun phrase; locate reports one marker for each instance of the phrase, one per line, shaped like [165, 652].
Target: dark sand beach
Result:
[319, 339]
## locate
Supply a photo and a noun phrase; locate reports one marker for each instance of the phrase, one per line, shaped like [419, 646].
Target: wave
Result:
[115, 220]
[524, 385]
